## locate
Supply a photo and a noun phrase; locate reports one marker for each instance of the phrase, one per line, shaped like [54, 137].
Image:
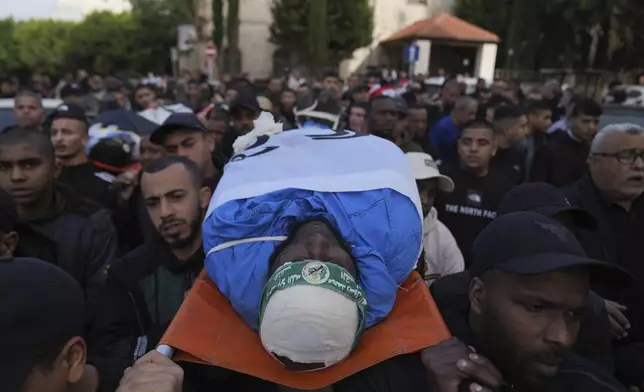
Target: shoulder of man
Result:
[580, 374]
[100, 217]
[105, 176]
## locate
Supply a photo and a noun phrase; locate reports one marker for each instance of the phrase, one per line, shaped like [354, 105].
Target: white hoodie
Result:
[442, 255]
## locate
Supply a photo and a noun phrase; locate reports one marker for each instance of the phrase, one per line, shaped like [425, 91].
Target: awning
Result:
[444, 27]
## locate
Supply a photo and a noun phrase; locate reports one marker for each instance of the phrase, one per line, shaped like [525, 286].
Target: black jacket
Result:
[615, 245]
[135, 309]
[576, 374]
[77, 235]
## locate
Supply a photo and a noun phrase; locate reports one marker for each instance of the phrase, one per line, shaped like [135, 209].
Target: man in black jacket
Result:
[147, 286]
[54, 224]
[521, 306]
[613, 192]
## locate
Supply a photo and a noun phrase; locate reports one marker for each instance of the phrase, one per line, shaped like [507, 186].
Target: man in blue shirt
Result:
[446, 132]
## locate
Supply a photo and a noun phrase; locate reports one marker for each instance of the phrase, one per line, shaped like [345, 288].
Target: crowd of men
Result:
[509, 182]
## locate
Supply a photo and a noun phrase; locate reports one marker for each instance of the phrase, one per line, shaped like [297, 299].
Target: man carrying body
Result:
[146, 287]
[382, 117]
[521, 310]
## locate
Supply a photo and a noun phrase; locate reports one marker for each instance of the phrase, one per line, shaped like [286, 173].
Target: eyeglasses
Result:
[625, 157]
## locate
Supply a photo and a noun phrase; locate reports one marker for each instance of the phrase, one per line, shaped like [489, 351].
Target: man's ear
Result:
[74, 356]
[209, 138]
[477, 294]
[58, 167]
[8, 243]
[205, 193]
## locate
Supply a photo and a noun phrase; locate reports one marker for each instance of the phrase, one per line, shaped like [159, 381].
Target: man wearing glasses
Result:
[613, 191]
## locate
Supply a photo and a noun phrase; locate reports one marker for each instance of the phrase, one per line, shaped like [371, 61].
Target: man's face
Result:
[194, 145]
[540, 121]
[584, 127]
[149, 150]
[175, 205]
[218, 128]
[450, 94]
[193, 91]
[465, 114]
[529, 323]
[230, 96]
[145, 97]
[498, 87]
[353, 81]
[275, 86]
[25, 173]
[333, 85]
[428, 189]
[288, 100]
[616, 172]
[28, 112]
[476, 148]
[243, 120]
[417, 123]
[383, 118]
[69, 137]
[316, 241]
[518, 131]
[360, 96]
[357, 119]
[484, 96]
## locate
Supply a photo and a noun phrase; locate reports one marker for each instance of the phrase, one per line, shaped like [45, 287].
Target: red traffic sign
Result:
[211, 51]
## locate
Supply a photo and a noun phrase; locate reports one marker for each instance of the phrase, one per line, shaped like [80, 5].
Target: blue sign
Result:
[412, 53]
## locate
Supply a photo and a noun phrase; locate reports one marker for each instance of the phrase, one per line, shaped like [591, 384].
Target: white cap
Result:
[424, 168]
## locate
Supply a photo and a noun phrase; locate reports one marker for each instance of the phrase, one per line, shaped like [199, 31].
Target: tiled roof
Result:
[444, 27]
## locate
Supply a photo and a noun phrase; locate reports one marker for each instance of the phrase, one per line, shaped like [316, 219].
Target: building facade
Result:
[389, 17]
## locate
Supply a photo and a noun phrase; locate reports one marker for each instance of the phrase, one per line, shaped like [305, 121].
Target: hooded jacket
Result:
[442, 255]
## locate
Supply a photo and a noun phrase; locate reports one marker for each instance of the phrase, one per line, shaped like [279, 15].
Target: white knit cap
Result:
[312, 315]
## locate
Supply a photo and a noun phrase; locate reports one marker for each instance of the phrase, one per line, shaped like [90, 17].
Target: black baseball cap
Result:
[528, 243]
[71, 90]
[547, 200]
[8, 212]
[42, 307]
[247, 101]
[68, 110]
[176, 122]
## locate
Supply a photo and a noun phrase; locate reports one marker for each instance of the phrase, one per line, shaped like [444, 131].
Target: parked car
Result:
[6, 110]
[615, 114]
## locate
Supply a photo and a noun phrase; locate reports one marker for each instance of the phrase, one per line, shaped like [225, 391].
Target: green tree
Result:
[156, 24]
[349, 26]
[105, 42]
[8, 50]
[42, 44]
[232, 53]
[318, 38]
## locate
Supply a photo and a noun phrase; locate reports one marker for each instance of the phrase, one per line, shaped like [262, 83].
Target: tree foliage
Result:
[349, 26]
[604, 34]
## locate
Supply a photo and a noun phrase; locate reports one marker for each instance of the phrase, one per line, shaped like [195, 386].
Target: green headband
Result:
[317, 273]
